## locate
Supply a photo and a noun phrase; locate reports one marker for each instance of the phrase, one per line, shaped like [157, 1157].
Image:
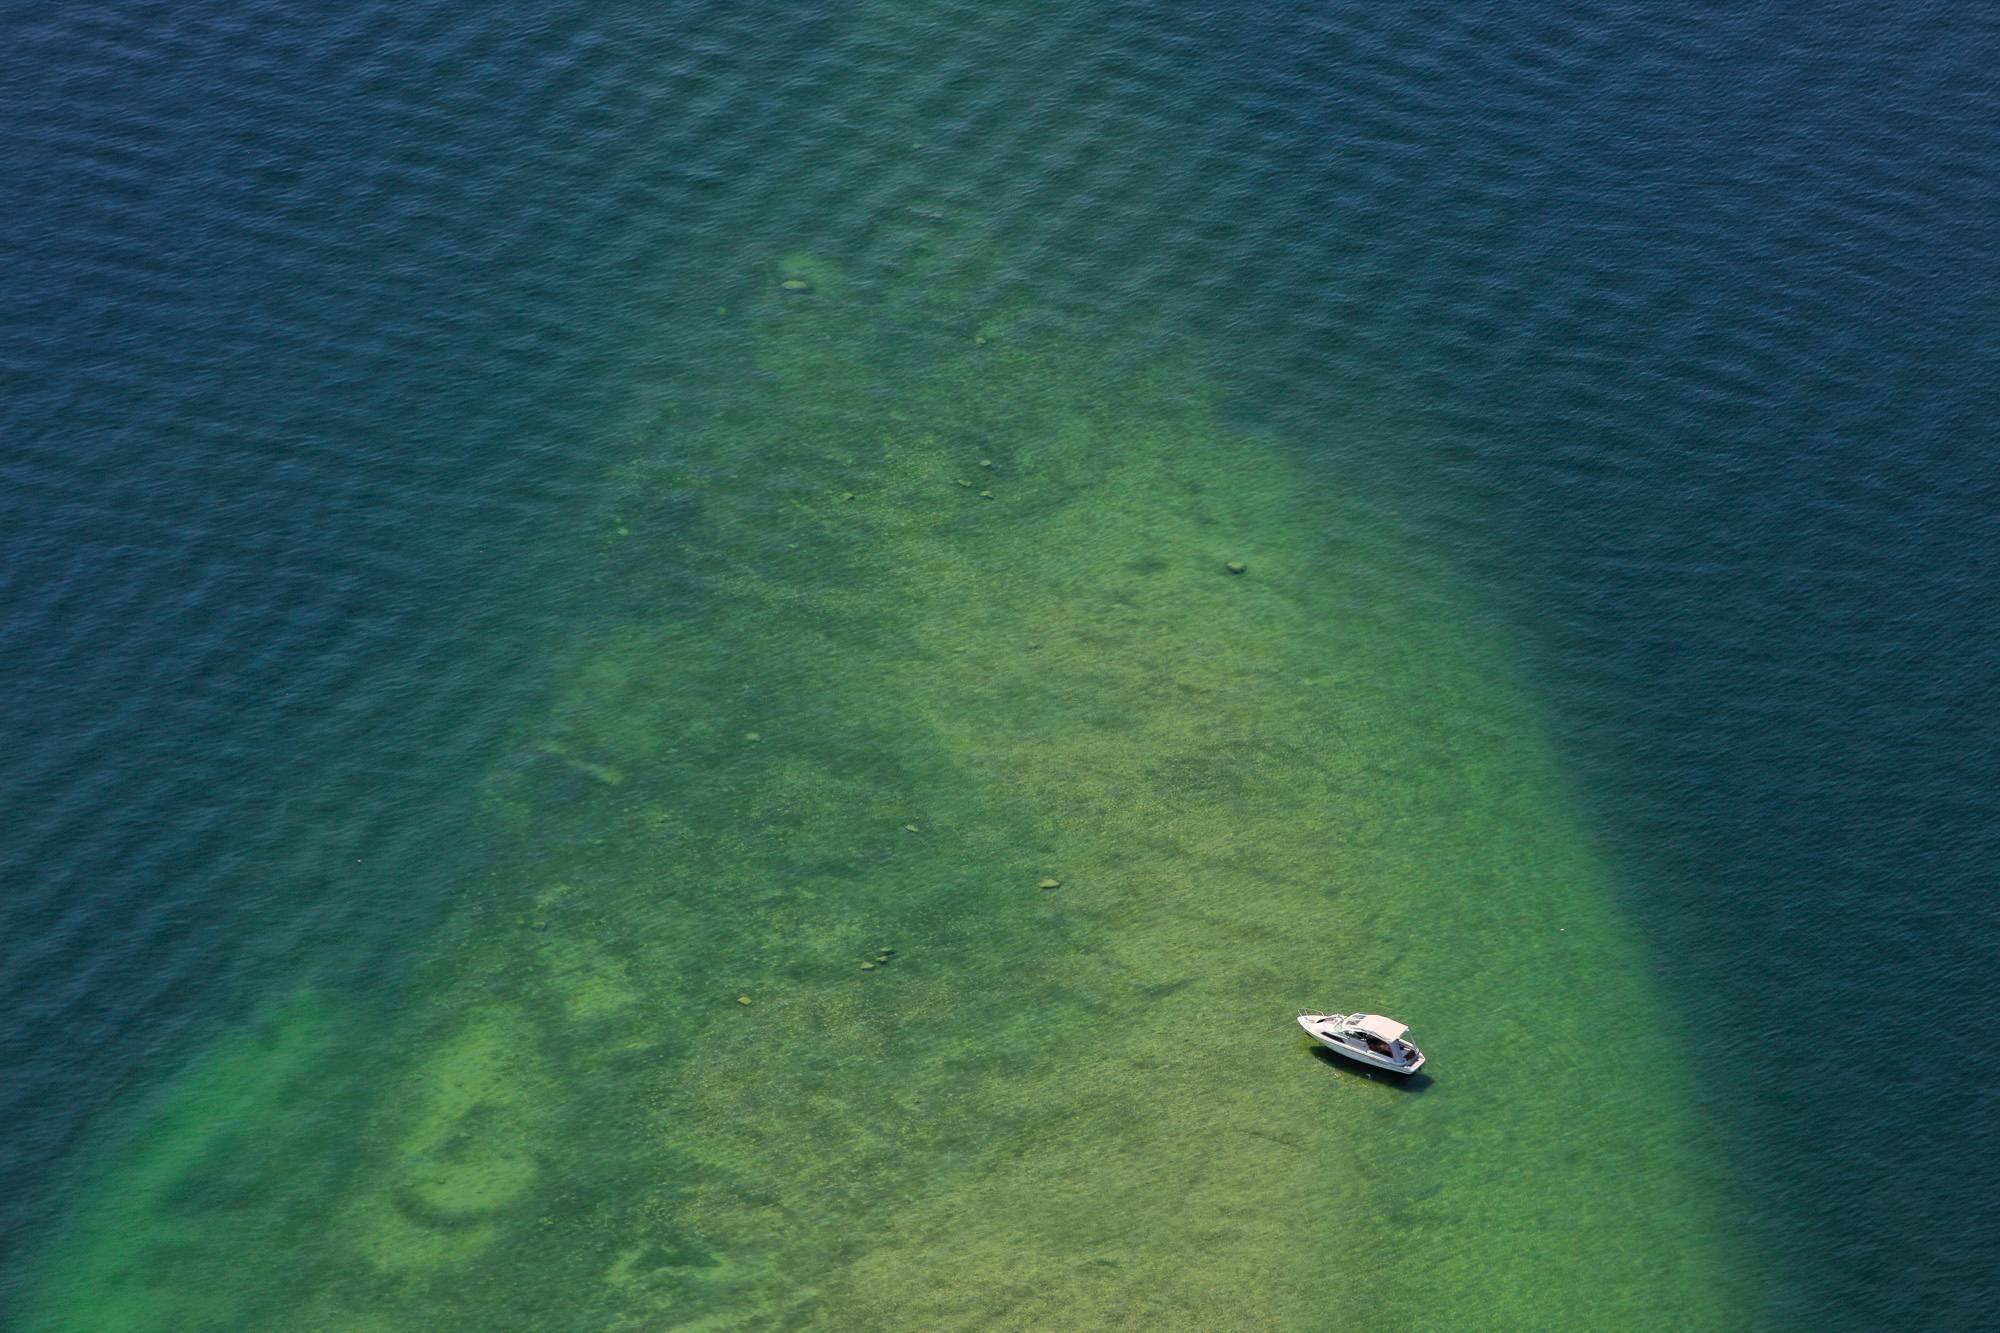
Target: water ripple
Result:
[310, 322]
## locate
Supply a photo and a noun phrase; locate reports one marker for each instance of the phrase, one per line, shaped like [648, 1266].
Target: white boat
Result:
[1368, 1038]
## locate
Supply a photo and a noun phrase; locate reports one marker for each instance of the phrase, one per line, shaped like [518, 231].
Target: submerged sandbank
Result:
[887, 623]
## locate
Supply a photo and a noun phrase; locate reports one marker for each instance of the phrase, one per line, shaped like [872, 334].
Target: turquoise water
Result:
[540, 552]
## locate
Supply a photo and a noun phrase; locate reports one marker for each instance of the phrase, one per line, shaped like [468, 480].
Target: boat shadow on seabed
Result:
[1417, 1082]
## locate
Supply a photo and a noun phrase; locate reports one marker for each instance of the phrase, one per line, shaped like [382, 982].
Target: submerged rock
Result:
[1236, 566]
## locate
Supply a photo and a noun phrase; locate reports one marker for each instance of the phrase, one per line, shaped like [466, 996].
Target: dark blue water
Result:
[298, 349]
[1682, 323]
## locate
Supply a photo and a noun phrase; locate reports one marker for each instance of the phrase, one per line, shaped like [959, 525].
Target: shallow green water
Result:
[857, 659]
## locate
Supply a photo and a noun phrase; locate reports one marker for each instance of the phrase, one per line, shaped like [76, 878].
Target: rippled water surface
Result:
[628, 709]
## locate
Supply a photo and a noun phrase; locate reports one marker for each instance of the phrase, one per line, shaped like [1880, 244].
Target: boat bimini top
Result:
[1388, 1029]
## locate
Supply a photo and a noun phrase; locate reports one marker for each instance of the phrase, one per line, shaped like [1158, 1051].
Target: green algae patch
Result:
[604, 773]
[467, 1152]
[185, 1210]
[589, 981]
[801, 272]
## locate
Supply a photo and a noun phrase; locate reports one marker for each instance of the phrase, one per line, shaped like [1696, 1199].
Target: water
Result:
[468, 623]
